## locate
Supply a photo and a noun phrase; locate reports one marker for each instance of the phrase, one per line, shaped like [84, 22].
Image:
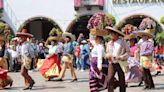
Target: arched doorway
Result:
[136, 19]
[39, 27]
[79, 25]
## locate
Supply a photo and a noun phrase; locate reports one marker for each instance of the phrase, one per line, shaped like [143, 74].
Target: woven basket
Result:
[98, 32]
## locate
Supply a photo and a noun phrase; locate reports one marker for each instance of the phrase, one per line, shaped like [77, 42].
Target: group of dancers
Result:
[132, 62]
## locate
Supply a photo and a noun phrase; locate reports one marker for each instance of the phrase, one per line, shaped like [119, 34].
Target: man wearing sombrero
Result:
[146, 56]
[26, 56]
[117, 57]
[67, 58]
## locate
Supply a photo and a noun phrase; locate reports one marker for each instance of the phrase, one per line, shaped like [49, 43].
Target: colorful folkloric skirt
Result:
[98, 79]
[50, 67]
[5, 80]
[135, 74]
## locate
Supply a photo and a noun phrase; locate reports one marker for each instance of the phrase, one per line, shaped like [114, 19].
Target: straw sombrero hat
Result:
[115, 30]
[84, 41]
[66, 34]
[148, 32]
[131, 36]
[53, 38]
[24, 33]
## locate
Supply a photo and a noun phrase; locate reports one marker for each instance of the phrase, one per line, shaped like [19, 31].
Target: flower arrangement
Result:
[97, 24]
[99, 21]
[147, 23]
[128, 29]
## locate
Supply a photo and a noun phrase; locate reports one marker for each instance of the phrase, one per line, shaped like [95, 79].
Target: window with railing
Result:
[1, 4]
[83, 3]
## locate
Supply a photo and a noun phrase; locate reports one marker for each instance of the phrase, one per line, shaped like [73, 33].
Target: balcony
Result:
[1, 8]
[88, 4]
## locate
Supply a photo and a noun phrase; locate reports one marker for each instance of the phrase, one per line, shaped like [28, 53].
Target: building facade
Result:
[72, 15]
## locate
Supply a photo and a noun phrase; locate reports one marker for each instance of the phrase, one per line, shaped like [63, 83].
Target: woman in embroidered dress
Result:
[51, 65]
[5, 80]
[134, 74]
[99, 67]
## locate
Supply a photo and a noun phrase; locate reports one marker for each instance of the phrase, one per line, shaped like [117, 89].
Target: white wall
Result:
[62, 11]
[121, 11]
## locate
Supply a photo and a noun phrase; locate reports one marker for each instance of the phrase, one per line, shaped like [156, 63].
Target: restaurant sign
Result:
[137, 1]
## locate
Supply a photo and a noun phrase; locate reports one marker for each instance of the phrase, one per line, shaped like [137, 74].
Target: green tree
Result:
[160, 37]
[162, 20]
[113, 19]
[2, 26]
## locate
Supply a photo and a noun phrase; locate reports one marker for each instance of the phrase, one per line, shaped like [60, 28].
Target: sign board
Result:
[118, 2]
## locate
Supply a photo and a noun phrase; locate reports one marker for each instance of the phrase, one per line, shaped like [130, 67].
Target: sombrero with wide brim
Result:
[114, 30]
[84, 41]
[15, 39]
[147, 32]
[66, 34]
[131, 36]
[53, 38]
[24, 33]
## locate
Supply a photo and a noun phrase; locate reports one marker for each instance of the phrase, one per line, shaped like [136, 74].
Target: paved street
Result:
[66, 86]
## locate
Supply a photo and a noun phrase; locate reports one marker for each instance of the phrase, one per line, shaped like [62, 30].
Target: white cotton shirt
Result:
[99, 52]
[27, 50]
[116, 48]
[52, 49]
[14, 54]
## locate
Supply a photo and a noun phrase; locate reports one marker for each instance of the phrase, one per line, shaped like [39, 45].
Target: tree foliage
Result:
[160, 37]
[113, 19]
[162, 20]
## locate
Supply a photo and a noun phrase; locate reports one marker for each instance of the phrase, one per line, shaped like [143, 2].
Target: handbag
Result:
[146, 61]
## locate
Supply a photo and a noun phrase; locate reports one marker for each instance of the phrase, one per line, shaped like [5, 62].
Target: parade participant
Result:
[67, 58]
[84, 54]
[35, 56]
[41, 53]
[14, 55]
[119, 53]
[99, 66]
[159, 50]
[77, 54]
[51, 65]
[80, 38]
[5, 80]
[26, 56]
[134, 74]
[146, 57]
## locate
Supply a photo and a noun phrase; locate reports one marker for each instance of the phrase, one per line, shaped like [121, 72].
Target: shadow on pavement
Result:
[43, 87]
[35, 88]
